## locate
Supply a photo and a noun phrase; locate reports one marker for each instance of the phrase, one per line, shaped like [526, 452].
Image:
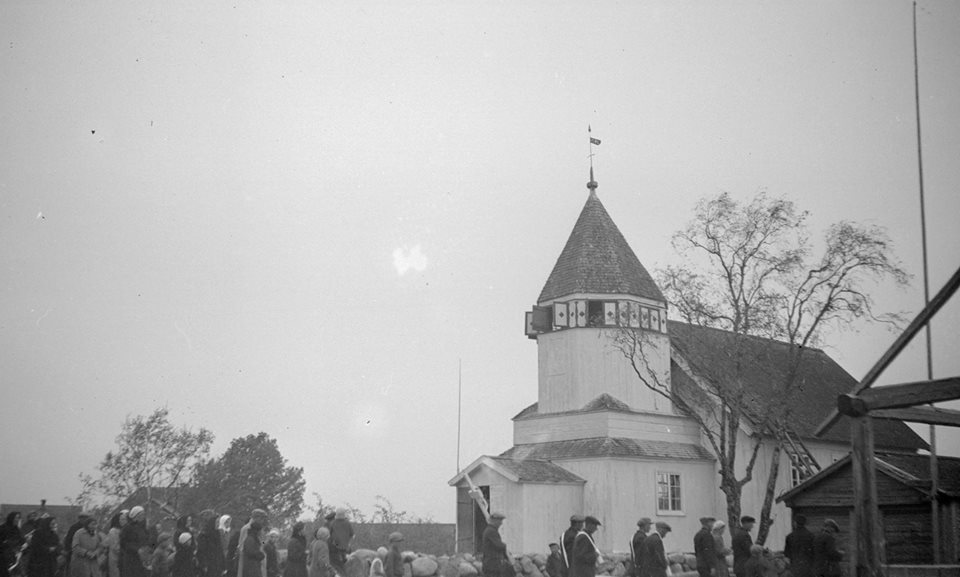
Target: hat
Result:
[705, 520]
[664, 525]
[497, 515]
[747, 519]
[592, 520]
[330, 516]
[576, 518]
[553, 545]
[396, 536]
[833, 524]
[84, 514]
[184, 538]
[341, 513]
[136, 513]
[644, 522]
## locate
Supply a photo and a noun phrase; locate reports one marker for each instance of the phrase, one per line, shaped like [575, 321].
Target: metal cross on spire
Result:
[592, 185]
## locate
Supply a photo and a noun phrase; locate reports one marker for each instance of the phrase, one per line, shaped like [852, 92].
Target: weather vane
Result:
[592, 185]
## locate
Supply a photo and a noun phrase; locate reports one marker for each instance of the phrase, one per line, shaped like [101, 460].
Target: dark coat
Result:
[11, 540]
[636, 546]
[555, 564]
[133, 537]
[584, 562]
[185, 561]
[273, 560]
[252, 555]
[654, 557]
[799, 550]
[752, 568]
[826, 556]
[494, 551]
[393, 567]
[297, 557]
[566, 548]
[705, 551]
[233, 550]
[210, 561]
[45, 548]
[740, 544]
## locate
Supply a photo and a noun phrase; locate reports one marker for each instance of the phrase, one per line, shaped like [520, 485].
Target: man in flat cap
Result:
[493, 547]
[798, 548]
[586, 555]
[566, 542]
[704, 548]
[654, 555]
[740, 543]
[826, 556]
[636, 545]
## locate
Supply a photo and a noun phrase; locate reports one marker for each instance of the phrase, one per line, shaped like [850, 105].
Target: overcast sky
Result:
[298, 217]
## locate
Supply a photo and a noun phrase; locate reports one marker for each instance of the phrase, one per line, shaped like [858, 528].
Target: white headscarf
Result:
[223, 523]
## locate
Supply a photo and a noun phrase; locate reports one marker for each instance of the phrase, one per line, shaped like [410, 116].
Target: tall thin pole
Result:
[934, 469]
[459, 405]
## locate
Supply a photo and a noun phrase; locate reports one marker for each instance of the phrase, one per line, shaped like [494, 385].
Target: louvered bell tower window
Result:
[580, 313]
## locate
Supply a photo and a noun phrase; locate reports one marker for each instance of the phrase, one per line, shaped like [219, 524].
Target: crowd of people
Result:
[214, 546]
[577, 555]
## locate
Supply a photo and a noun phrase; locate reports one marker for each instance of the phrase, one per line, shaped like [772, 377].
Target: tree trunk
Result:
[768, 496]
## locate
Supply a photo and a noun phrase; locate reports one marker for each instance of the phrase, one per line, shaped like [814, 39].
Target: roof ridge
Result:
[769, 340]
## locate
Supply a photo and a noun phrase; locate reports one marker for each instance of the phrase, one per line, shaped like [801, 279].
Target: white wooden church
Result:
[598, 442]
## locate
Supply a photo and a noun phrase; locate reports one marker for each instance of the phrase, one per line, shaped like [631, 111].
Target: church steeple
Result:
[598, 260]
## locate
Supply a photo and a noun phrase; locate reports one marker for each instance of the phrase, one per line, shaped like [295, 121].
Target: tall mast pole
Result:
[934, 469]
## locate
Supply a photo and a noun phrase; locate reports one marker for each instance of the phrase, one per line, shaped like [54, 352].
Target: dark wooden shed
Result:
[903, 488]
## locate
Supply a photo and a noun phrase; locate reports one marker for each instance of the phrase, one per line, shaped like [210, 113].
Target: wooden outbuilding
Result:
[903, 499]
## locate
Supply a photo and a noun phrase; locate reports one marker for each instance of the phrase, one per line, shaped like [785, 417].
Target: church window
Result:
[668, 493]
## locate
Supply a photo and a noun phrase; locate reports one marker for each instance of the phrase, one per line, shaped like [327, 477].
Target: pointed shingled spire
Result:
[597, 259]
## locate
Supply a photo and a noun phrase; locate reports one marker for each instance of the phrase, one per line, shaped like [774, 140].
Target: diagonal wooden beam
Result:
[897, 396]
[897, 347]
[928, 415]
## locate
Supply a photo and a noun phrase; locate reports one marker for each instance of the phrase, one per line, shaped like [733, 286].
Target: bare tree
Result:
[749, 269]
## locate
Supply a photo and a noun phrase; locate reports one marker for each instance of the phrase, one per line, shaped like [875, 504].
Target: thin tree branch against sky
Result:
[296, 217]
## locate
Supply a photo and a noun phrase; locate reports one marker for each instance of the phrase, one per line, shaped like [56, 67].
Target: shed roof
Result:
[597, 259]
[910, 470]
[608, 447]
[721, 358]
[522, 471]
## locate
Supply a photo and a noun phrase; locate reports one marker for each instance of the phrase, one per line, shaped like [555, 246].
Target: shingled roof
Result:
[607, 447]
[597, 259]
[537, 471]
[763, 364]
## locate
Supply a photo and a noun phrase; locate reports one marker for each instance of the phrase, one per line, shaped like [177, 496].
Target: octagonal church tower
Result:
[597, 441]
[598, 289]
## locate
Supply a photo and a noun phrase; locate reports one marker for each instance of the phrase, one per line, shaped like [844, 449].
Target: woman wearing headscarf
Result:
[209, 546]
[86, 547]
[252, 551]
[320, 555]
[223, 527]
[44, 549]
[185, 561]
[296, 553]
[112, 544]
[270, 551]
[134, 544]
[720, 567]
